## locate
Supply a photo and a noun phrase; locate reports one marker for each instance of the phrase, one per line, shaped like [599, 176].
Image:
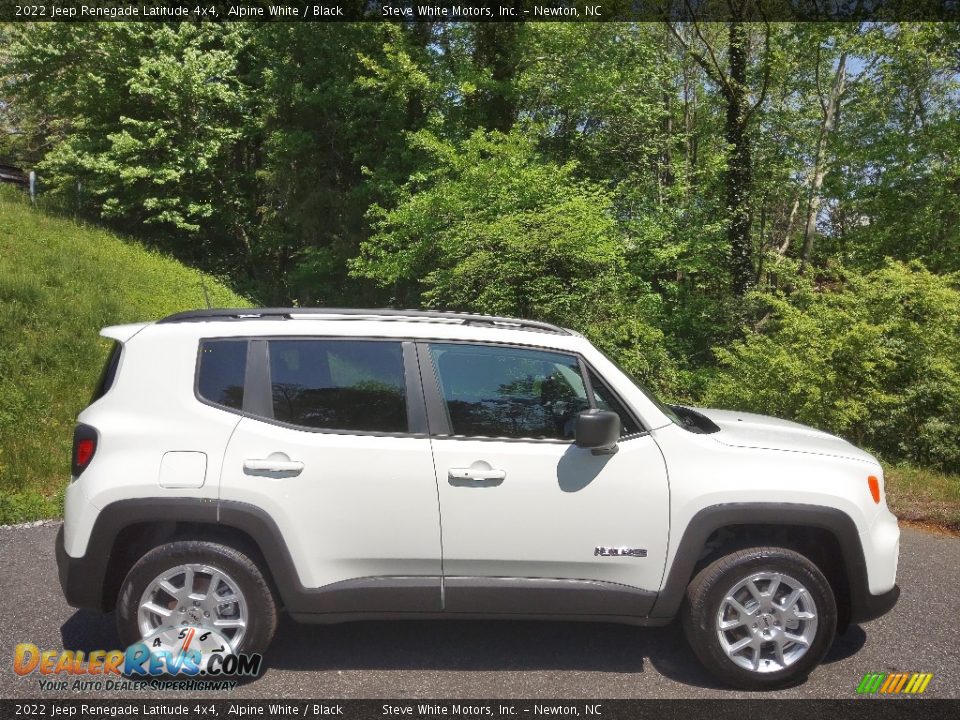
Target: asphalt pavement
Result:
[507, 659]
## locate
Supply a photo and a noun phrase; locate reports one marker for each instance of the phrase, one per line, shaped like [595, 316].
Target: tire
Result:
[242, 593]
[746, 657]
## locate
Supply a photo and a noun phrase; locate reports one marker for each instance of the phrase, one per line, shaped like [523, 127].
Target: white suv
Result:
[358, 464]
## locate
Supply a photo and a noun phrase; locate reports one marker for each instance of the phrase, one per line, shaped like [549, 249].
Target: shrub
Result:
[877, 361]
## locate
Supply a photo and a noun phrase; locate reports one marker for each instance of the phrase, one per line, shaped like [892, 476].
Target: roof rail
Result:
[217, 314]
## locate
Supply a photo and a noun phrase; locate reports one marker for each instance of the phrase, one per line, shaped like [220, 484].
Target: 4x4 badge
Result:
[625, 551]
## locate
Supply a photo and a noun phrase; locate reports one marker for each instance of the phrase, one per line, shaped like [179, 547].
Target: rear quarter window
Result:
[221, 372]
[108, 374]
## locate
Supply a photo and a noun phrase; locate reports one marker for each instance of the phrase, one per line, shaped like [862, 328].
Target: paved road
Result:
[460, 659]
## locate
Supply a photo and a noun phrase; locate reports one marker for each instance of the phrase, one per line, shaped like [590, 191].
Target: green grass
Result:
[925, 496]
[60, 282]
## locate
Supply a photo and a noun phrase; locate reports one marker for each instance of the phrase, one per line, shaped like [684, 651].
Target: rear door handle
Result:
[276, 463]
[483, 476]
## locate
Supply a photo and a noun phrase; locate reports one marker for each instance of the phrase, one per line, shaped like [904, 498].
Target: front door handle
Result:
[479, 474]
[275, 463]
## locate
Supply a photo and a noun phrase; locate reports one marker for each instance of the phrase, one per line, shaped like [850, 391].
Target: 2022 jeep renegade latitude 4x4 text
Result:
[358, 464]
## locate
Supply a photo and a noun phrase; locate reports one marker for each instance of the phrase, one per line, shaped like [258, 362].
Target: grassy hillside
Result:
[60, 282]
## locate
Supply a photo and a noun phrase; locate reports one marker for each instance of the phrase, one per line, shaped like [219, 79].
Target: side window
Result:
[606, 400]
[108, 374]
[222, 367]
[339, 384]
[509, 392]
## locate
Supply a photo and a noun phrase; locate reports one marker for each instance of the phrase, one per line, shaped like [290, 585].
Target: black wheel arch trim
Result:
[863, 605]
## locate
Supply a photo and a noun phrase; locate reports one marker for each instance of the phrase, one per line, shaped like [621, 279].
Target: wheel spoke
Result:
[798, 639]
[215, 579]
[188, 577]
[229, 623]
[739, 645]
[773, 587]
[156, 609]
[792, 599]
[756, 658]
[170, 590]
[735, 604]
[752, 588]
[778, 648]
[731, 624]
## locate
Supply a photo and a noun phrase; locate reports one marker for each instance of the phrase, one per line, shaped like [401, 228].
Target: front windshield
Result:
[665, 409]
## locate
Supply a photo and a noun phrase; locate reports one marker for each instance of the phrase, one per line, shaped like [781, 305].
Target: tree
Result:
[494, 228]
[733, 83]
[149, 124]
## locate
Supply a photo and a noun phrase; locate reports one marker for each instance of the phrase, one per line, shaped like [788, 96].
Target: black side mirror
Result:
[598, 430]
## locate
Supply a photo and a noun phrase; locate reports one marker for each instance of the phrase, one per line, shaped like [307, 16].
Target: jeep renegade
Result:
[356, 464]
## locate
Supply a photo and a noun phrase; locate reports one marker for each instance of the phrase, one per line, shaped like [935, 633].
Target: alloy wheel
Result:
[766, 622]
[197, 595]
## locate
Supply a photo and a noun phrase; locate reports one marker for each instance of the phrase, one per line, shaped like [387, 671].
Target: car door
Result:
[333, 446]
[531, 523]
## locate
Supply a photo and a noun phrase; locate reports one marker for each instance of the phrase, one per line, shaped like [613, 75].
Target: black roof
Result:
[219, 314]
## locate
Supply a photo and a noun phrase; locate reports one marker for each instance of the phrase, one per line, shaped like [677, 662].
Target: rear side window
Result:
[339, 384]
[223, 364]
[108, 374]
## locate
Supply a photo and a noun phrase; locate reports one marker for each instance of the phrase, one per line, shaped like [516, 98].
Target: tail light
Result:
[84, 448]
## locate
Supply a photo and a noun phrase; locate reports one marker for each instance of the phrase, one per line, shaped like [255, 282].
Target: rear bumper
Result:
[80, 585]
[870, 606]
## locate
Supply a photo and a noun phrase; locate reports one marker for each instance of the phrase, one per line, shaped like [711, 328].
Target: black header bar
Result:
[480, 10]
[178, 707]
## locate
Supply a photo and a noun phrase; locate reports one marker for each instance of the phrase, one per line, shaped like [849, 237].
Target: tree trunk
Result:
[689, 122]
[666, 158]
[828, 123]
[788, 232]
[739, 176]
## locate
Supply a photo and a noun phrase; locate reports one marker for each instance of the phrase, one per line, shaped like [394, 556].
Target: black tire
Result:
[261, 606]
[707, 591]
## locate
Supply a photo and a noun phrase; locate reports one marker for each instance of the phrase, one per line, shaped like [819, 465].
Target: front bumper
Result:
[871, 607]
[76, 579]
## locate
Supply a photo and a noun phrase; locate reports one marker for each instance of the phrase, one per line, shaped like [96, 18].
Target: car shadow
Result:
[468, 645]
[846, 645]
[88, 630]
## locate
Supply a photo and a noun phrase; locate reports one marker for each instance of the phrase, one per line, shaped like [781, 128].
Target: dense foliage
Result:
[876, 360]
[761, 216]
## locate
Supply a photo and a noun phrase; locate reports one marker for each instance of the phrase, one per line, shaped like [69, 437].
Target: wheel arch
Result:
[827, 536]
[127, 529]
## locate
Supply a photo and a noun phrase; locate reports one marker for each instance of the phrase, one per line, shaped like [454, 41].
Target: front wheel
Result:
[198, 584]
[760, 618]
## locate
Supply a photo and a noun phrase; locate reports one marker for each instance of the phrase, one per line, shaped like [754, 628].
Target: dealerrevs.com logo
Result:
[900, 683]
[181, 653]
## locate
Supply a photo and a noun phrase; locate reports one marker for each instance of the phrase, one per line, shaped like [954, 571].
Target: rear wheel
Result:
[198, 584]
[760, 618]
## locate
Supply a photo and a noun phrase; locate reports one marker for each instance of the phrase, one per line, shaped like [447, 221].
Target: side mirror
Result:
[598, 430]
